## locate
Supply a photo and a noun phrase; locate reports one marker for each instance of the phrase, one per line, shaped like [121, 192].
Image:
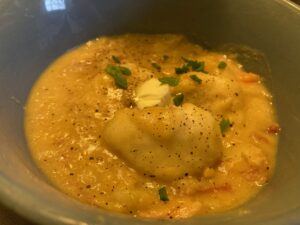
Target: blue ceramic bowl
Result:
[35, 32]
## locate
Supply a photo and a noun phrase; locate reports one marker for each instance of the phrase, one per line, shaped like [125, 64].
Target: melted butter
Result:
[152, 93]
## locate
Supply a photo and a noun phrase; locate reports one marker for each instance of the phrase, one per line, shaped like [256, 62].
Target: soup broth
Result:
[152, 125]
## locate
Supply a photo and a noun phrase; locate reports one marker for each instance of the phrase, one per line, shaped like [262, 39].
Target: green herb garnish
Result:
[225, 124]
[163, 195]
[196, 78]
[156, 66]
[172, 81]
[178, 99]
[125, 70]
[116, 59]
[195, 65]
[116, 73]
[222, 65]
[120, 81]
[199, 67]
[113, 70]
[181, 70]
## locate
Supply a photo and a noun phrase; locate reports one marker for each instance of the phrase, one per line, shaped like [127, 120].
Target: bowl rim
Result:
[21, 201]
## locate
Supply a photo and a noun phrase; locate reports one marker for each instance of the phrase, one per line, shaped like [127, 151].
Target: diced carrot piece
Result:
[273, 129]
[249, 78]
[220, 188]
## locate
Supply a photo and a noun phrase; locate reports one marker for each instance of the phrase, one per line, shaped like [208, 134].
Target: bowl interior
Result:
[34, 33]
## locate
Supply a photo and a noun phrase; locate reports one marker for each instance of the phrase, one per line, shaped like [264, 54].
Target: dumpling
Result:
[165, 142]
[219, 95]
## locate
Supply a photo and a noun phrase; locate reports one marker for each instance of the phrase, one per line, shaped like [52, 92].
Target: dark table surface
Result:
[9, 217]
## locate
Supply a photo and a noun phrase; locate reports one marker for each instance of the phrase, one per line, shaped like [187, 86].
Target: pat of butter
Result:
[152, 93]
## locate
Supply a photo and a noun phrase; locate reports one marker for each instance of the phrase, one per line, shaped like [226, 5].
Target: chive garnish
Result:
[116, 59]
[195, 65]
[113, 70]
[225, 124]
[178, 99]
[181, 70]
[195, 78]
[222, 65]
[156, 66]
[120, 81]
[125, 70]
[116, 73]
[172, 81]
[163, 195]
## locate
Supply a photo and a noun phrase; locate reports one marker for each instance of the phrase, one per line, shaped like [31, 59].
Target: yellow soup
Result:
[153, 126]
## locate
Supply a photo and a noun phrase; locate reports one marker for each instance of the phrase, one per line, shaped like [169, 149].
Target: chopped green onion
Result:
[172, 81]
[125, 71]
[116, 73]
[200, 68]
[156, 66]
[222, 65]
[116, 59]
[120, 81]
[113, 70]
[195, 65]
[196, 78]
[178, 99]
[181, 70]
[225, 124]
[163, 195]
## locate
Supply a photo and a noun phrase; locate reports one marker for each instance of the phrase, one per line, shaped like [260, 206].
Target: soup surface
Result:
[153, 126]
